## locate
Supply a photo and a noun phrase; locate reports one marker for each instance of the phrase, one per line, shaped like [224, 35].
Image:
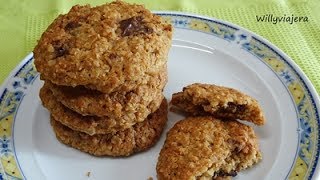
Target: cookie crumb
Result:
[88, 174]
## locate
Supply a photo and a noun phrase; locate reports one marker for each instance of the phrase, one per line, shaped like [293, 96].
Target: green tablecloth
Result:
[23, 21]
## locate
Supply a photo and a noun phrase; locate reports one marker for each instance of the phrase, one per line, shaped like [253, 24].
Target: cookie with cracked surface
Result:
[221, 102]
[137, 103]
[139, 137]
[112, 47]
[207, 148]
[89, 124]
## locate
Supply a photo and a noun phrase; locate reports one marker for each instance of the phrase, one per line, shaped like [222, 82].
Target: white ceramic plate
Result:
[204, 50]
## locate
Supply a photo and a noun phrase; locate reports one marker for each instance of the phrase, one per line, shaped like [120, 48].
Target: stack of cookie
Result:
[104, 70]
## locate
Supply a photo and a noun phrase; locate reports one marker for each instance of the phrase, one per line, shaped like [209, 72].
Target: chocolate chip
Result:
[148, 30]
[60, 51]
[232, 173]
[233, 108]
[112, 56]
[134, 26]
[199, 111]
[240, 108]
[71, 25]
[224, 174]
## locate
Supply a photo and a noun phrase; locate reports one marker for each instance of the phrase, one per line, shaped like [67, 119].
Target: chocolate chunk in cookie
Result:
[221, 102]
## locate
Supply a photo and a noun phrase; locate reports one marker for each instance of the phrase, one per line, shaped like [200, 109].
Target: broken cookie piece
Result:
[221, 102]
[207, 148]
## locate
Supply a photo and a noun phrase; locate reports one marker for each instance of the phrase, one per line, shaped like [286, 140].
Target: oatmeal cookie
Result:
[112, 47]
[137, 103]
[221, 102]
[207, 148]
[88, 124]
[139, 137]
